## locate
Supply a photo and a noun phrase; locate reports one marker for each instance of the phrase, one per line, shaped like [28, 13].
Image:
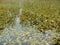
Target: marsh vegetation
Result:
[38, 22]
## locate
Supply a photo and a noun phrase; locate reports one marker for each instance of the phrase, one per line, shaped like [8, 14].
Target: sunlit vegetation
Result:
[7, 12]
[44, 15]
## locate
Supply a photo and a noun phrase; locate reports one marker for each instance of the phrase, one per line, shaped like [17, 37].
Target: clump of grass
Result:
[44, 15]
[3, 17]
[5, 10]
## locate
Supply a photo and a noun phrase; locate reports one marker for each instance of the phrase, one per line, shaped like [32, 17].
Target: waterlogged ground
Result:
[30, 23]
